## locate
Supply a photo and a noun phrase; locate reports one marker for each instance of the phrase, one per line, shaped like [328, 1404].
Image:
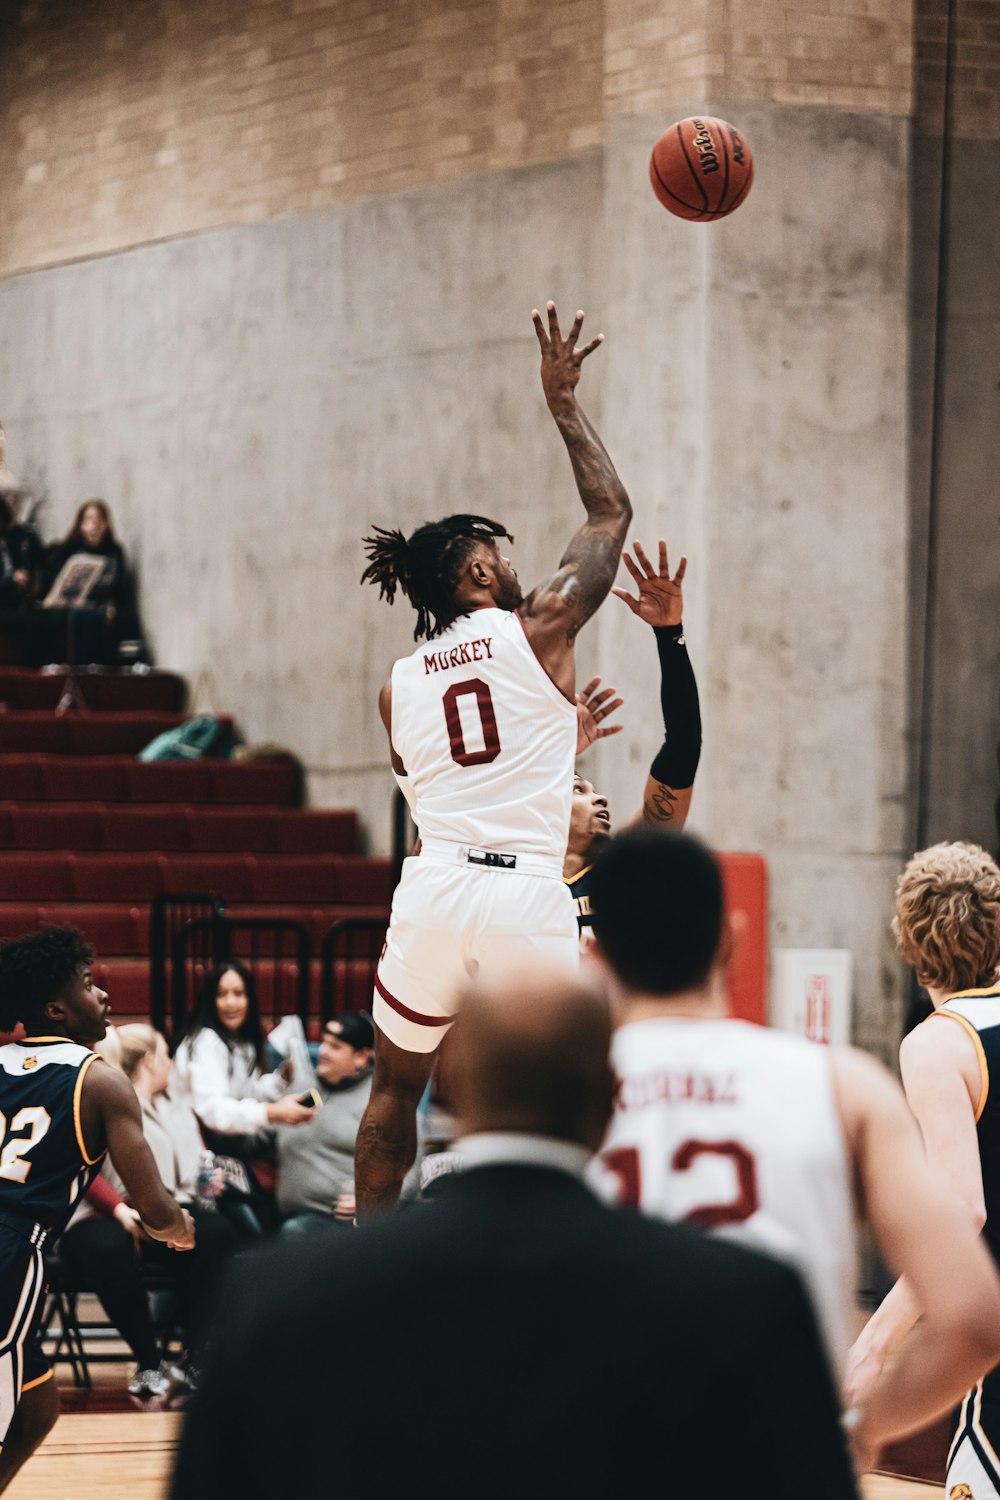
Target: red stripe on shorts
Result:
[406, 1012]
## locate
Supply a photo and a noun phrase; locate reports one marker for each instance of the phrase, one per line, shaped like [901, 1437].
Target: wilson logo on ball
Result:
[701, 168]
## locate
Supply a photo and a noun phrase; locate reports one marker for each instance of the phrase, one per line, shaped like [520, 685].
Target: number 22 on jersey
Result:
[626, 1164]
[36, 1121]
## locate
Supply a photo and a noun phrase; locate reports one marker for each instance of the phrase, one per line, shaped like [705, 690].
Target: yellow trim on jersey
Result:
[33, 1041]
[977, 1426]
[578, 876]
[984, 1072]
[90, 1160]
[991, 991]
[39, 1380]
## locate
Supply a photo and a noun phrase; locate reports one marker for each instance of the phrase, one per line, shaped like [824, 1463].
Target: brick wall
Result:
[975, 104]
[122, 123]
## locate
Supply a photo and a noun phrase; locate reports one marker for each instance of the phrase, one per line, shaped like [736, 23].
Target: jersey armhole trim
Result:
[565, 697]
[578, 876]
[29, 1385]
[984, 1070]
[84, 1068]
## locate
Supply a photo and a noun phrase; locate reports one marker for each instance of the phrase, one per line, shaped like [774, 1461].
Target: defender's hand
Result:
[592, 708]
[661, 599]
[561, 359]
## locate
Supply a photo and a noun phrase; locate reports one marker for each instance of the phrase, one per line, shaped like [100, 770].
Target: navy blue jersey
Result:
[44, 1166]
[979, 1012]
[579, 889]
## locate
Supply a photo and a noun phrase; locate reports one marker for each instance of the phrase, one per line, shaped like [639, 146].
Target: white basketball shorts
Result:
[448, 918]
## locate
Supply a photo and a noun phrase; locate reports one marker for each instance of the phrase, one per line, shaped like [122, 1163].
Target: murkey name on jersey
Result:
[459, 656]
[639, 1092]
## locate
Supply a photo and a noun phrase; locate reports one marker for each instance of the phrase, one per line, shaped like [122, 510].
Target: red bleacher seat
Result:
[146, 828]
[315, 919]
[114, 930]
[263, 781]
[20, 733]
[115, 877]
[131, 692]
[43, 827]
[293, 878]
[21, 777]
[225, 875]
[321, 831]
[127, 983]
[244, 830]
[35, 877]
[169, 781]
[101, 778]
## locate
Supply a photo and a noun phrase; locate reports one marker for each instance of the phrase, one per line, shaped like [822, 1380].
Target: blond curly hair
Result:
[947, 922]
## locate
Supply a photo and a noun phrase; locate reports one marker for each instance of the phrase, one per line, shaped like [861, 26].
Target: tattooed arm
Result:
[670, 783]
[555, 611]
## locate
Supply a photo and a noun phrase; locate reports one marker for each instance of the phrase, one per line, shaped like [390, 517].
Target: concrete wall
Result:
[251, 400]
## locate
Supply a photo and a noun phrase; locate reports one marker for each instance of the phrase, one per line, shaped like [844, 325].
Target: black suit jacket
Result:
[514, 1339]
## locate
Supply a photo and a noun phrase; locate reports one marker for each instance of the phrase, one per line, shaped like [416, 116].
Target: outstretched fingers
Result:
[647, 566]
[594, 344]
[543, 337]
[681, 570]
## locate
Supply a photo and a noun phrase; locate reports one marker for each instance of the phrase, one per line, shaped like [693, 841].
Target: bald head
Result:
[530, 1054]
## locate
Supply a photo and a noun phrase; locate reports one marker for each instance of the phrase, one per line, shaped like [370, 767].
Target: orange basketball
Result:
[701, 168]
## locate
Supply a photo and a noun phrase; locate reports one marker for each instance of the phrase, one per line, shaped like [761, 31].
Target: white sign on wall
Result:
[812, 993]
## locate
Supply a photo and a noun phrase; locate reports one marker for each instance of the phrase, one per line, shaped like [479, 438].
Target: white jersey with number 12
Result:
[734, 1129]
[487, 739]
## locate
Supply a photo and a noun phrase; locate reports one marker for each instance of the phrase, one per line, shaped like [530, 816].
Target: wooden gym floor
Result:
[128, 1456]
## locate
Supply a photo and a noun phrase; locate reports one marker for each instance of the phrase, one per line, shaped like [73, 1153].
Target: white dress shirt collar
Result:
[494, 1148]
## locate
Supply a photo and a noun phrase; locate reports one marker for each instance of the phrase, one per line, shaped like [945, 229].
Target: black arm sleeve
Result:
[677, 760]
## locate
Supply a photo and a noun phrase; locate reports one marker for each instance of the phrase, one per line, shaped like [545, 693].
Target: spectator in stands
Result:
[104, 1245]
[221, 1063]
[316, 1161]
[20, 563]
[111, 604]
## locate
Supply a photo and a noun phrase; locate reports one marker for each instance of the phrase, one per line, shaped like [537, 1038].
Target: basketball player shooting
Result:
[482, 727]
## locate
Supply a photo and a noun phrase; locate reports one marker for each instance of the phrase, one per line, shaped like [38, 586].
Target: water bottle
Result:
[204, 1193]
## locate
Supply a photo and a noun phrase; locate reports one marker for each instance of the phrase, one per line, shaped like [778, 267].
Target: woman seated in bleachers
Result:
[221, 1064]
[104, 1245]
[110, 614]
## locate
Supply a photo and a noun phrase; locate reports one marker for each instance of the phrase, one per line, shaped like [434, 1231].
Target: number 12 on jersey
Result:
[626, 1164]
[474, 694]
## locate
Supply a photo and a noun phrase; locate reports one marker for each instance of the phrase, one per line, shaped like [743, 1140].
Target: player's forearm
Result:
[162, 1219]
[887, 1327]
[935, 1370]
[677, 759]
[601, 491]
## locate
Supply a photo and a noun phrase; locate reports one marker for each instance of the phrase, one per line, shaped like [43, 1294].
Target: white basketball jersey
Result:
[487, 739]
[734, 1129]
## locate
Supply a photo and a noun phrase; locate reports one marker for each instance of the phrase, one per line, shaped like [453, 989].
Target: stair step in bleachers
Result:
[121, 930]
[205, 830]
[303, 879]
[84, 734]
[33, 777]
[102, 692]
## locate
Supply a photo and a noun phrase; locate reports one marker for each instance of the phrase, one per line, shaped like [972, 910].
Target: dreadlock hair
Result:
[36, 969]
[428, 565]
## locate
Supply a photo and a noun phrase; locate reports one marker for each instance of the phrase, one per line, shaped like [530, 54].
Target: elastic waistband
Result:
[22, 1224]
[442, 852]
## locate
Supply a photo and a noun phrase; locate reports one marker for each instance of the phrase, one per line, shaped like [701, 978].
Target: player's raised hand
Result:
[561, 359]
[661, 598]
[592, 708]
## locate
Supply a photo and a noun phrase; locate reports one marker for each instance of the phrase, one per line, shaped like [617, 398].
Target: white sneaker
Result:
[148, 1384]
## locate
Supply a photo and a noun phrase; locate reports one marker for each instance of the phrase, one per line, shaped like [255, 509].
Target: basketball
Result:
[701, 168]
